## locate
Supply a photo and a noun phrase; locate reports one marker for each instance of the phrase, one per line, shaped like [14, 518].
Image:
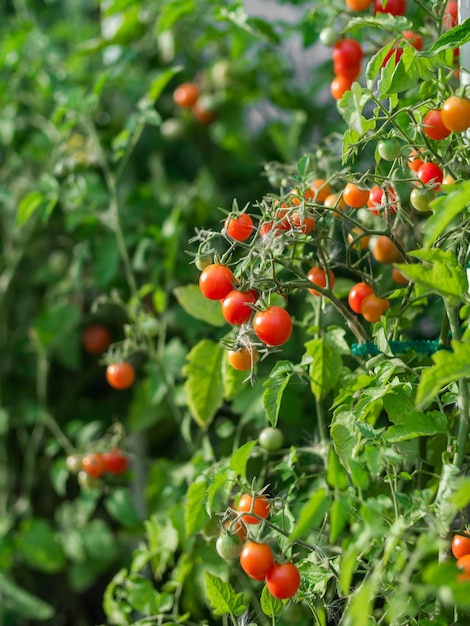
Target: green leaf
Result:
[142, 595]
[339, 515]
[198, 306]
[22, 603]
[360, 607]
[29, 205]
[347, 569]
[163, 541]
[39, 546]
[173, 12]
[351, 107]
[336, 475]
[270, 605]
[453, 38]
[239, 459]
[204, 385]
[445, 208]
[116, 611]
[222, 596]
[120, 506]
[409, 422]
[195, 516]
[440, 271]
[275, 387]
[325, 369]
[448, 367]
[311, 514]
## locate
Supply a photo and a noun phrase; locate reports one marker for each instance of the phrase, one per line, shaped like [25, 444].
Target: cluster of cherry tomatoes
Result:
[257, 558]
[96, 339]
[461, 550]
[92, 466]
[188, 96]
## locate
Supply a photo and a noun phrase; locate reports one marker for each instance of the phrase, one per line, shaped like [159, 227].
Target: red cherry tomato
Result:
[120, 375]
[116, 461]
[394, 7]
[451, 15]
[256, 559]
[240, 227]
[258, 505]
[433, 125]
[235, 307]
[339, 86]
[96, 339]
[430, 174]
[93, 464]
[357, 295]
[216, 281]
[186, 95]
[414, 39]
[460, 545]
[273, 326]
[283, 580]
[347, 52]
[318, 277]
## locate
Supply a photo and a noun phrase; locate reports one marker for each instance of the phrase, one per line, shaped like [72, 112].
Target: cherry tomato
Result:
[216, 281]
[88, 482]
[420, 199]
[319, 190]
[271, 439]
[240, 227]
[283, 580]
[243, 359]
[347, 51]
[357, 294]
[302, 223]
[186, 95]
[317, 276]
[460, 545]
[96, 339]
[358, 238]
[237, 528]
[202, 111]
[355, 196]
[273, 326]
[116, 461]
[398, 277]
[346, 70]
[414, 39]
[339, 86]
[430, 174]
[335, 201]
[414, 161]
[93, 464]
[385, 251]
[380, 199]
[256, 559]
[203, 261]
[329, 36]
[259, 505]
[451, 15]
[228, 546]
[120, 375]
[235, 307]
[456, 114]
[358, 5]
[388, 149]
[74, 463]
[464, 564]
[433, 125]
[373, 307]
[394, 7]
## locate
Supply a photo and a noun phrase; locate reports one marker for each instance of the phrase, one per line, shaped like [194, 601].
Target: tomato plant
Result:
[283, 580]
[256, 559]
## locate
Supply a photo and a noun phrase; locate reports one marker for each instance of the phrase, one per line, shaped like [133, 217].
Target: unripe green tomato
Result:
[228, 546]
[58, 262]
[173, 128]
[388, 149]
[221, 72]
[271, 439]
[88, 482]
[74, 463]
[420, 199]
[203, 261]
[329, 36]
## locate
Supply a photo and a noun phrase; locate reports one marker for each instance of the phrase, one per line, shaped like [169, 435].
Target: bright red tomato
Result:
[186, 95]
[357, 295]
[240, 227]
[346, 70]
[347, 52]
[433, 125]
[235, 307]
[258, 505]
[216, 281]
[430, 174]
[96, 339]
[273, 326]
[120, 375]
[93, 464]
[414, 39]
[283, 580]
[256, 559]
[116, 461]
[380, 199]
[460, 545]
[318, 277]
[394, 7]
[451, 15]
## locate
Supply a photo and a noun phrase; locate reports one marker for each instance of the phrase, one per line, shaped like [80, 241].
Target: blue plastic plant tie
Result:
[422, 346]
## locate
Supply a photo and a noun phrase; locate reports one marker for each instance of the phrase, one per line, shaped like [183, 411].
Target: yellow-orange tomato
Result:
[243, 359]
[335, 201]
[358, 238]
[354, 196]
[258, 505]
[373, 307]
[319, 190]
[398, 277]
[339, 86]
[455, 114]
[318, 276]
[385, 251]
[237, 528]
[464, 565]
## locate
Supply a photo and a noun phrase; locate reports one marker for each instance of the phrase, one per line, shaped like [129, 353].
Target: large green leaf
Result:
[311, 514]
[198, 306]
[204, 386]
[446, 208]
[195, 515]
[240, 457]
[325, 368]
[410, 423]
[39, 546]
[275, 387]
[222, 596]
[21, 602]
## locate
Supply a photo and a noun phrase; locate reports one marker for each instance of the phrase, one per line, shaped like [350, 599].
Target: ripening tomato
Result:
[384, 250]
[456, 114]
[357, 294]
[389, 149]
[373, 307]
[258, 505]
[283, 580]
[273, 326]
[339, 86]
[358, 5]
[235, 306]
[202, 113]
[354, 196]
[120, 375]
[414, 39]
[394, 7]
[420, 199]
[358, 239]
[186, 95]
[116, 461]
[433, 125]
[460, 545]
[318, 276]
[347, 52]
[303, 223]
[216, 281]
[93, 464]
[239, 227]
[398, 277]
[430, 174]
[335, 201]
[380, 199]
[464, 564]
[74, 463]
[414, 161]
[96, 339]
[318, 190]
[451, 15]
[243, 359]
[329, 36]
[256, 559]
